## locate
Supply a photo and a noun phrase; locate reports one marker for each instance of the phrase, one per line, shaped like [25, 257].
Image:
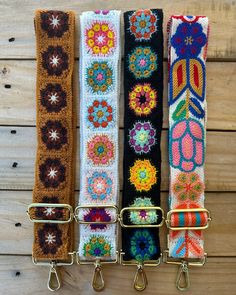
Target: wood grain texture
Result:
[221, 13]
[18, 102]
[21, 148]
[17, 230]
[18, 273]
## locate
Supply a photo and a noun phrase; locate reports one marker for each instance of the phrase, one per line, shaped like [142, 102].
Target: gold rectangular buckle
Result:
[179, 261]
[136, 263]
[141, 208]
[50, 205]
[101, 261]
[168, 219]
[95, 206]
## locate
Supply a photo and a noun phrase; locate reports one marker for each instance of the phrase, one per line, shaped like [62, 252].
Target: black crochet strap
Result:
[143, 90]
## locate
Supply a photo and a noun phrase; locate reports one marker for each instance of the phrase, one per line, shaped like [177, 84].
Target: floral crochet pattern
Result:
[143, 175]
[142, 245]
[100, 186]
[100, 38]
[188, 187]
[143, 24]
[55, 23]
[142, 137]
[186, 145]
[97, 214]
[142, 99]
[52, 172]
[143, 216]
[100, 114]
[55, 60]
[97, 246]
[99, 77]
[101, 150]
[49, 212]
[50, 238]
[54, 135]
[53, 98]
[142, 62]
[188, 40]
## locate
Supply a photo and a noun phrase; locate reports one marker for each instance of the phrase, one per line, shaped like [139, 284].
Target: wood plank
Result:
[20, 147]
[17, 230]
[217, 277]
[18, 102]
[221, 13]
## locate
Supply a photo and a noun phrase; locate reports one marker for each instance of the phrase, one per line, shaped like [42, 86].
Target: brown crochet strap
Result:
[54, 169]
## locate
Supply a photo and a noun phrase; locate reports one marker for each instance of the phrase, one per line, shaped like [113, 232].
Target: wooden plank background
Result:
[18, 145]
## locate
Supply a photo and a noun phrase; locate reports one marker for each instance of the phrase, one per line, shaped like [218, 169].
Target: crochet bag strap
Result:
[99, 85]
[143, 89]
[53, 193]
[187, 50]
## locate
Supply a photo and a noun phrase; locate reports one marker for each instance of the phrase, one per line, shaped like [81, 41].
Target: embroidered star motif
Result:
[54, 60]
[100, 39]
[49, 211]
[52, 173]
[53, 135]
[55, 22]
[50, 238]
[53, 98]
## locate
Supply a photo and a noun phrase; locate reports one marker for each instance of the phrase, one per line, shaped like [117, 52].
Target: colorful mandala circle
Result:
[142, 62]
[55, 60]
[99, 186]
[100, 38]
[143, 24]
[101, 150]
[142, 137]
[97, 246]
[100, 113]
[97, 214]
[50, 238]
[142, 99]
[143, 216]
[143, 175]
[142, 245]
[99, 77]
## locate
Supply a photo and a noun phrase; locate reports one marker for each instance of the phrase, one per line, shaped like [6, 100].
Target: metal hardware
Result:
[178, 261]
[141, 208]
[98, 281]
[50, 205]
[136, 263]
[182, 280]
[54, 281]
[191, 210]
[140, 278]
[84, 262]
[95, 206]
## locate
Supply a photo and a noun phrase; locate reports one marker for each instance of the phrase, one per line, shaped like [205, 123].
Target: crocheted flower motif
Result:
[142, 99]
[55, 60]
[99, 77]
[142, 137]
[143, 24]
[100, 113]
[54, 135]
[52, 173]
[99, 186]
[101, 150]
[143, 175]
[188, 40]
[142, 62]
[186, 145]
[97, 246]
[53, 97]
[100, 38]
[55, 23]
[142, 245]
[50, 238]
[49, 212]
[97, 214]
[188, 187]
[142, 216]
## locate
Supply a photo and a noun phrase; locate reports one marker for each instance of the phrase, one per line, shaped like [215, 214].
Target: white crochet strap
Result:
[99, 76]
[188, 37]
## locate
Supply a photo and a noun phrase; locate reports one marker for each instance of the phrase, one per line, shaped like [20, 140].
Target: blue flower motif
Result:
[188, 40]
[100, 113]
[99, 185]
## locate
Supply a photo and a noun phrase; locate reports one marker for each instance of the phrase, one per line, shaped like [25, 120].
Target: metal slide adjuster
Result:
[182, 279]
[140, 278]
[98, 282]
[50, 205]
[191, 210]
[54, 279]
[137, 209]
[81, 207]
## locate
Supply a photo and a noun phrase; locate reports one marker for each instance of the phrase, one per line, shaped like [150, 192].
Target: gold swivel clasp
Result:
[98, 281]
[182, 280]
[54, 281]
[140, 278]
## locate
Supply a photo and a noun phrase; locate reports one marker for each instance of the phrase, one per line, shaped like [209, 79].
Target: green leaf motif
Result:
[180, 111]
